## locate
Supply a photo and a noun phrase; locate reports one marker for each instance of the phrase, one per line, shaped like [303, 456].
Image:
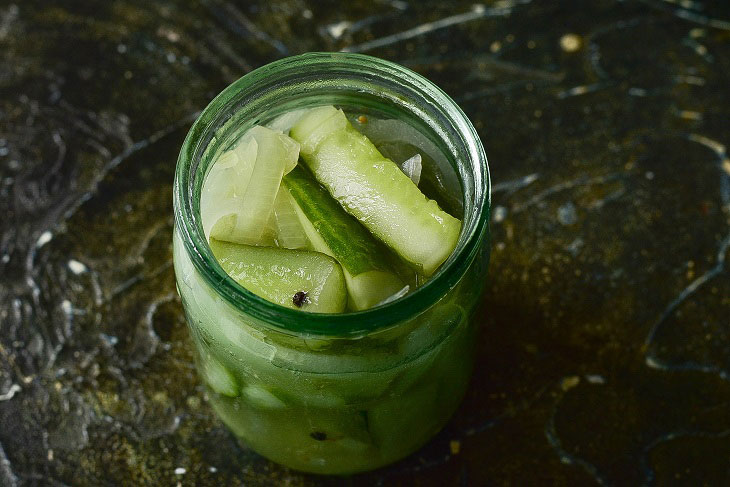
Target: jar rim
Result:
[300, 322]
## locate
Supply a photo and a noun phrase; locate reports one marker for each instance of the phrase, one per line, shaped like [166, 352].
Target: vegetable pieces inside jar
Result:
[308, 213]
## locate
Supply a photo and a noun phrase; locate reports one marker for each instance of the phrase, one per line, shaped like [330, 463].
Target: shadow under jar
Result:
[334, 393]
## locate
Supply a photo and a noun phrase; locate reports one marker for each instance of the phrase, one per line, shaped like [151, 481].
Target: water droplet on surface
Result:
[500, 213]
[44, 238]
[570, 42]
[76, 267]
[567, 215]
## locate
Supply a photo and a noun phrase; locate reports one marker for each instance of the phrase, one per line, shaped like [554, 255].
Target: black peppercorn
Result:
[318, 435]
[300, 298]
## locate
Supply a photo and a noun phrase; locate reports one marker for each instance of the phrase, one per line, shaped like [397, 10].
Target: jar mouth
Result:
[259, 91]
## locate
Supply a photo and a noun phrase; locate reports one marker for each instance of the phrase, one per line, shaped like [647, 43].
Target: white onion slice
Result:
[412, 168]
[239, 192]
[289, 231]
[224, 186]
[284, 122]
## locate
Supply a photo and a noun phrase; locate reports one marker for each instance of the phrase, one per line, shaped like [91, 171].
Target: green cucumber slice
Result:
[374, 189]
[399, 141]
[308, 439]
[278, 274]
[334, 232]
[315, 125]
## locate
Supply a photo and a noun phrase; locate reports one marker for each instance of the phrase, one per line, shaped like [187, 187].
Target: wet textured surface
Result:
[605, 351]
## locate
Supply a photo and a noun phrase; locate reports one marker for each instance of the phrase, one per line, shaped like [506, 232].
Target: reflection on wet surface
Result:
[605, 346]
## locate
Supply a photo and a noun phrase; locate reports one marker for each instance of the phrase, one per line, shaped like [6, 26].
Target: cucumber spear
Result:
[373, 189]
[330, 230]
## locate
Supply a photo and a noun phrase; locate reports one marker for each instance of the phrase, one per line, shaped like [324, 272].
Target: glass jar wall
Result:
[331, 393]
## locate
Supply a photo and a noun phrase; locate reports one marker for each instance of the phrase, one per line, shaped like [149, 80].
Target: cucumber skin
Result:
[374, 190]
[369, 272]
[275, 274]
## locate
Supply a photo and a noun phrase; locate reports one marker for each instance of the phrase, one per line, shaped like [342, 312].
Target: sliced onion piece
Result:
[412, 168]
[289, 231]
[239, 195]
[391, 131]
[284, 122]
[224, 186]
[268, 237]
[275, 152]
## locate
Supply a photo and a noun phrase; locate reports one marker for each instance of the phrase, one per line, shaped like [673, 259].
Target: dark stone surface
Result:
[605, 350]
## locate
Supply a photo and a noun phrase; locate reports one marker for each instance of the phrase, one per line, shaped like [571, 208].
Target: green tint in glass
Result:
[333, 393]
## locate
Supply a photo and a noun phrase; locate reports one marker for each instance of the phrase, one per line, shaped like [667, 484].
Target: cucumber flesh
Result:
[331, 230]
[315, 125]
[278, 274]
[398, 141]
[374, 189]
[402, 422]
[369, 289]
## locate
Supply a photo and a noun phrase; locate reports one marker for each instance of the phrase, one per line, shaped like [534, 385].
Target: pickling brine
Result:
[330, 250]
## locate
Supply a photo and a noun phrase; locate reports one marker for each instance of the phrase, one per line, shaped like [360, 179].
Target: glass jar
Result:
[327, 393]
